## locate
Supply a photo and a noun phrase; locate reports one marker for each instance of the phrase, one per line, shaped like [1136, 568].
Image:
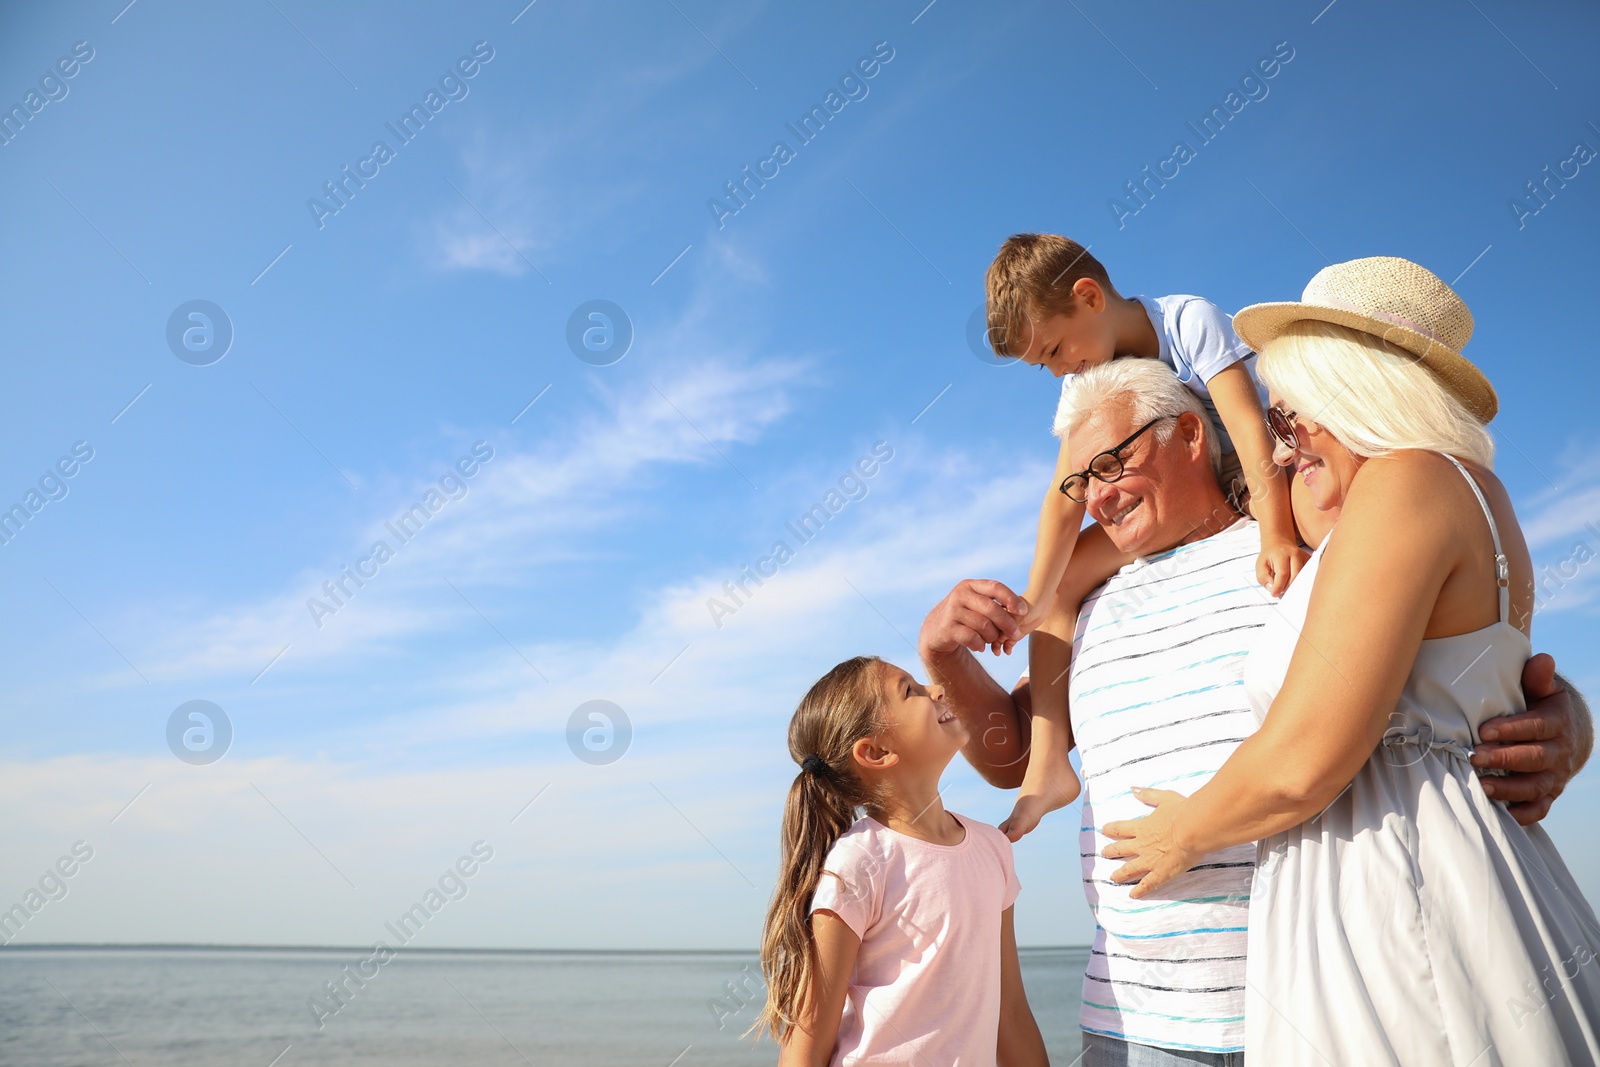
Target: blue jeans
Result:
[1101, 1051]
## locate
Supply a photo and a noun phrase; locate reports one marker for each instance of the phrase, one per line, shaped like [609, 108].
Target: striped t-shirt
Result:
[1158, 699]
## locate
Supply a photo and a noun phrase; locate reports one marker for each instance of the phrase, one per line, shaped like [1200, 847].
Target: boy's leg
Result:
[1050, 782]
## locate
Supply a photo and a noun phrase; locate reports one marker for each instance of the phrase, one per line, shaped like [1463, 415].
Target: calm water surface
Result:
[192, 1007]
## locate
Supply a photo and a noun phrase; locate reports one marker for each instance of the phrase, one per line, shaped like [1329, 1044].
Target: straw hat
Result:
[1395, 300]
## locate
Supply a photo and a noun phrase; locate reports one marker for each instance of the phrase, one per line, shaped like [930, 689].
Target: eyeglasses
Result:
[1107, 466]
[1281, 423]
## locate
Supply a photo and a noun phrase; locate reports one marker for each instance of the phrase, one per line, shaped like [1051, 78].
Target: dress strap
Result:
[1502, 566]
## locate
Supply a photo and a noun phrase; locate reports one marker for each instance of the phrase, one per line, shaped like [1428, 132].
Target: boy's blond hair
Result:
[1033, 274]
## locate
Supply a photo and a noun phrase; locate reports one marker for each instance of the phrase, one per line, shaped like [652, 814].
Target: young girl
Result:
[889, 938]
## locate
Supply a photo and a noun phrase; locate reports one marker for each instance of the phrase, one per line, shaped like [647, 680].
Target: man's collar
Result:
[1236, 524]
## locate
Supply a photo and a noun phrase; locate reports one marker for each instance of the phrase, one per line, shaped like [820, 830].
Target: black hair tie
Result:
[814, 764]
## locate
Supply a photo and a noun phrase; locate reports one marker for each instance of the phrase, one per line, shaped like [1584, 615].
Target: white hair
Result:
[1149, 389]
[1373, 398]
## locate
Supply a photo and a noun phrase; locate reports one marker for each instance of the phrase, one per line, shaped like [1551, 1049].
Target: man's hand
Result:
[977, 613]
[1543, 747]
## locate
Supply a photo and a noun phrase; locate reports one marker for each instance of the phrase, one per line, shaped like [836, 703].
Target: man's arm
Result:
[1543, 747]
[976, 614]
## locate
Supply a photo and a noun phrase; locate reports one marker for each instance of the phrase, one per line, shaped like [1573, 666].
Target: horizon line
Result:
[187, 946]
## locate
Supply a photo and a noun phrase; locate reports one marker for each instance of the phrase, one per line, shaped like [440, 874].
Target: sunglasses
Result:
[1107, 466]
[1281, 423]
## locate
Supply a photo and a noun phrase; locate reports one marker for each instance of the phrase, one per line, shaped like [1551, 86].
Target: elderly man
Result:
[1157, 699]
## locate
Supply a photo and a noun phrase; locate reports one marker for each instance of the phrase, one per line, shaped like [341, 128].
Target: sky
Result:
[419, 342]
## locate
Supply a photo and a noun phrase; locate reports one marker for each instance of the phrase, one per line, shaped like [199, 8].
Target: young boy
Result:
[1051, 304]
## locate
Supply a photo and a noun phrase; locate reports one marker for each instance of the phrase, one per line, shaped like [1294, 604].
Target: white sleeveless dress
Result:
[1414, 922]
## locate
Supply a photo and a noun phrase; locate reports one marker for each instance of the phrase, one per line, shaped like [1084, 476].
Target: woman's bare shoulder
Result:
[1416, 479]
[1427, 476]
[1421, 497]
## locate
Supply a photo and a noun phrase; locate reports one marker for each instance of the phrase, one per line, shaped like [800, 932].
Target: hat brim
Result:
[1259, 324]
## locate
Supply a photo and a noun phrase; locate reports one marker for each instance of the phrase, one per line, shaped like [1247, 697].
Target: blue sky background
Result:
[769, 355]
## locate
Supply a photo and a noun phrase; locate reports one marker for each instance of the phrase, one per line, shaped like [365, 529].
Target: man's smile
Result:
[1116, 519]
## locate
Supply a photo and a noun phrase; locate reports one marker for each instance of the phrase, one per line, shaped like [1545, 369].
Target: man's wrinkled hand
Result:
[1539, 747]
[975, 615]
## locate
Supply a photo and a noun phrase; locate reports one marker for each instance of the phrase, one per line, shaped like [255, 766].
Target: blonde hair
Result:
[1150, 390]
[844, 706]
[1373, 397]
[1033, 274]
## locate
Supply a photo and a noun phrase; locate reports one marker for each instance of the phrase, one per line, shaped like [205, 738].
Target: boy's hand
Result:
[1278, 564]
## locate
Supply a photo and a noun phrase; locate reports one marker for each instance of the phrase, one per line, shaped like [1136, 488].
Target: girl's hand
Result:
[1153, 852]
[1278, 564]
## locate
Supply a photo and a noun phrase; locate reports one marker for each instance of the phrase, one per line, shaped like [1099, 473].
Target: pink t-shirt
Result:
[926, 986]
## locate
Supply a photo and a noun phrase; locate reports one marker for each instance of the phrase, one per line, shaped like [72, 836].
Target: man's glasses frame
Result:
[1106, 467]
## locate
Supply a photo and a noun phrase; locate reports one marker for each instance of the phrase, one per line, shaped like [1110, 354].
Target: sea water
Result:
[183, 1007]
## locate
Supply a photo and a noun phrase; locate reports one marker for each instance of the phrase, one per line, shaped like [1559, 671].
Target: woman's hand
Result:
[1154, 852]
[1278, 564]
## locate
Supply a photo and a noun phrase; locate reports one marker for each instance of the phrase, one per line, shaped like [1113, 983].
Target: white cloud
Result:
[460, 248]
[1562, 528]
[896, 551]
[1564, 516]
[498, 217]
[522, 509]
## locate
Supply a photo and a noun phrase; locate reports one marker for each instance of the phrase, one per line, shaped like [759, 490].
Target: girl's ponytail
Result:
[843, 707]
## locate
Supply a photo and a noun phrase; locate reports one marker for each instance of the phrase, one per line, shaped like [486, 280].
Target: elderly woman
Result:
[1399, 915]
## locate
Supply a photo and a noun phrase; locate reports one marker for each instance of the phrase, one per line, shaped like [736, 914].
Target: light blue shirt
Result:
[1197, 342]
